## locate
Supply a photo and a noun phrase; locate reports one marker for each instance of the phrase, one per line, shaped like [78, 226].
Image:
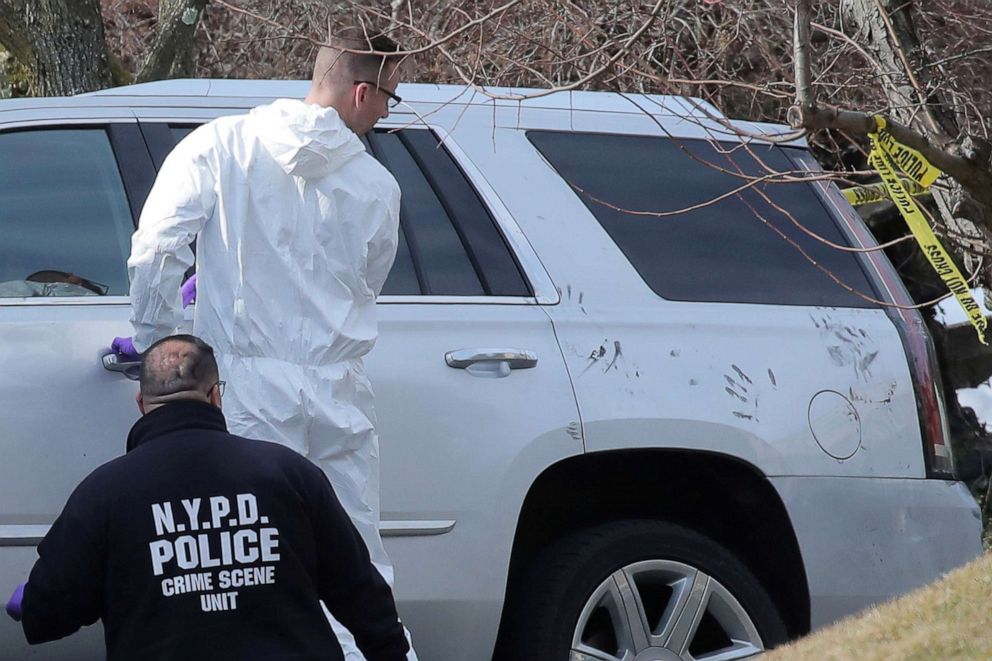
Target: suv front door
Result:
[68, 189]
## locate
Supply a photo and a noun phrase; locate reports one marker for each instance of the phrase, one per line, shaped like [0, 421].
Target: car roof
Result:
[203, 88]
[425, 93]
[205, 92]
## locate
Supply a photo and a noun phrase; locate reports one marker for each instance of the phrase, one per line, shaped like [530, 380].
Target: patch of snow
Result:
[950, 313]
[980, 399]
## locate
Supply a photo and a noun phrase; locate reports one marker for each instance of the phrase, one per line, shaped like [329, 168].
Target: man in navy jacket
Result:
[198, 544]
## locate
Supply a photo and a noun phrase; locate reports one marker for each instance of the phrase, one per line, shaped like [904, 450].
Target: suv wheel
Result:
[638, 591]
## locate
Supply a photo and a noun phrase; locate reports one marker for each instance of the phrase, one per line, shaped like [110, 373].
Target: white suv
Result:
[606, 433]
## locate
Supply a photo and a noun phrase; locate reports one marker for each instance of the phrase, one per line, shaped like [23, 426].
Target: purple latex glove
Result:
[124, 347]
[189, 291]
[14, 603]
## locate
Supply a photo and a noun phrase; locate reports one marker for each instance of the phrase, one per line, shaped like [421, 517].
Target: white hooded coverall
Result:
[297, 230]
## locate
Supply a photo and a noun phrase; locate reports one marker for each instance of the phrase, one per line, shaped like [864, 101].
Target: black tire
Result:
[545, 602]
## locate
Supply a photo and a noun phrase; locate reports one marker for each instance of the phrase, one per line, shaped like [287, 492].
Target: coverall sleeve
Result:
[65, 589]
[349, 585]
[179, 204]
[382, 246]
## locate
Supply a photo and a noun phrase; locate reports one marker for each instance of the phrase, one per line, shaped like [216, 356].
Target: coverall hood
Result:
[306, 140]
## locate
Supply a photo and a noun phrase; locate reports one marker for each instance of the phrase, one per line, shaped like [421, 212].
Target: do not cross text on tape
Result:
[889, 157]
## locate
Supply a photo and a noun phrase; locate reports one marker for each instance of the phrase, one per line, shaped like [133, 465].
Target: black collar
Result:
[173, 417]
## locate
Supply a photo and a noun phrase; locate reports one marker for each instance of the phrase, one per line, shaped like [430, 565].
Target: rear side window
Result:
[449, 243]
[64, 215]
[426, 229]
[455, 246]
[718, 251]
[179, 132]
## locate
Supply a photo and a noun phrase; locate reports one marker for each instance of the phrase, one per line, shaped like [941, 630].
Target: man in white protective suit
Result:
[296, 229]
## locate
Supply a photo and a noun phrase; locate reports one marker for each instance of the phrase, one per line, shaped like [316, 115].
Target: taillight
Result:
[929, 392]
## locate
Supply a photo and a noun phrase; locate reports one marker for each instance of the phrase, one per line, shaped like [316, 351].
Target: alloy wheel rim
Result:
[662, 610]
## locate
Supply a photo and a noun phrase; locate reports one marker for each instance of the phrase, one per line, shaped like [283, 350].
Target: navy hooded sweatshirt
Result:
[198, 544]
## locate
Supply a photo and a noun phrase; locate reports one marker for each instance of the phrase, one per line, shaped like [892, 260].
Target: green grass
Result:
[948, 619]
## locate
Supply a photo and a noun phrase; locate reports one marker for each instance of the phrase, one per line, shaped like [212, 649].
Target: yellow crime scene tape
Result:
[871, 193]
[889, 157]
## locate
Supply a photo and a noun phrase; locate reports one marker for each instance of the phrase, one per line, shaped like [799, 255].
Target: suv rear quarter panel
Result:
[739, 379]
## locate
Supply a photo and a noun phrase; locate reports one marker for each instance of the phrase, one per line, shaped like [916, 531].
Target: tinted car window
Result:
[721, 251]
[180, 132]
[455, 244]
[402, 278]
[64, 215]
[449, 244]
[498, 271]
[444, 265]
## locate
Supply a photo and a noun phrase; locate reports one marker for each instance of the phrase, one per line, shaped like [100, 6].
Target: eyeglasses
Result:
[220, 388]
[393, 99]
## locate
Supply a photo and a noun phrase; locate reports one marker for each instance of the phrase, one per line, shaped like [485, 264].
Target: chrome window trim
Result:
[189, 114]
[22, 535]
[405, 299]
[22, 301]
[55, 122]
[413, 299]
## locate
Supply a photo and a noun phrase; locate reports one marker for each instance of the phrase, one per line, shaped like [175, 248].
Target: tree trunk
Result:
[915, 99]
[903, 61]
[60, 42]
[171, 55]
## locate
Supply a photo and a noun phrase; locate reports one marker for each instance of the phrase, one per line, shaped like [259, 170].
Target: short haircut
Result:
[178, 363]
[340, 65]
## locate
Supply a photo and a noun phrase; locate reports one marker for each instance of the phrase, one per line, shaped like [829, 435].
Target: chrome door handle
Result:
[130, 369]
[498, 361]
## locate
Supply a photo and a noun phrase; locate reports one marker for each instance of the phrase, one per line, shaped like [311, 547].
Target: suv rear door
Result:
[462, 436]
